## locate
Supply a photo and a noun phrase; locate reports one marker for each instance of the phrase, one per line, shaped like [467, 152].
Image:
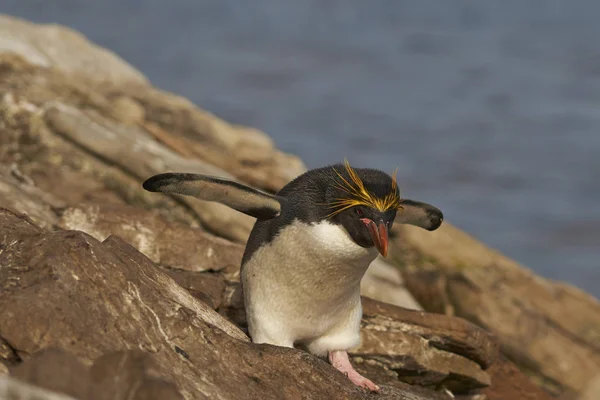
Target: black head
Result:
[366, 202]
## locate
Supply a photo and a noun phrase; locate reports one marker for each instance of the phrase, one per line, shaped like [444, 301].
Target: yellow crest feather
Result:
[359, 195]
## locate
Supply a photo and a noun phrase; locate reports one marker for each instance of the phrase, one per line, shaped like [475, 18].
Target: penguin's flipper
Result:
[242, 198]
[419, 214]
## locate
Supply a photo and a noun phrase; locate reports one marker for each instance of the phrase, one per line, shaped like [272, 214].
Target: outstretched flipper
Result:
[419, 214]
[235, 195]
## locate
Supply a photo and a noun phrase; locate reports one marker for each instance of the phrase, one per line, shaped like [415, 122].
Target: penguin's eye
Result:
[359, 212]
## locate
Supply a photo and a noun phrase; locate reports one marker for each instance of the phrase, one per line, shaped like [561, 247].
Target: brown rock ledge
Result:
[67, 290]
[549, 329]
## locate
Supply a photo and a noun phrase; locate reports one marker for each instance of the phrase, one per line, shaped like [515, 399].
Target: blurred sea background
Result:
[490, 109]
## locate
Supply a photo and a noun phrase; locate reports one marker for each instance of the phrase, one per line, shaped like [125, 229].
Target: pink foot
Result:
[339, 359]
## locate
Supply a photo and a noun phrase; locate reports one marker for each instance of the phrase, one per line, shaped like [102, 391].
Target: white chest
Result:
[307, 254]
[307, 278]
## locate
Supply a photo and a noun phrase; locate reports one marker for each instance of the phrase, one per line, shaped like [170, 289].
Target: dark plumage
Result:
[235, 195]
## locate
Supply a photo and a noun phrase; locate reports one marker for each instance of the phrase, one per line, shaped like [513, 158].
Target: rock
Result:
[592, 391]
[442, 332]
[209, 288]
[383, 282]
[232, 305]
[129, 375]
[25, 196]
[7, 354]
[118, 375]
[67, 290]
[14, 389]
[170, 244]
[398, 349]
[65, 49]
[127, 110]
[55, 370]
[97, 134]
[117, 148]
[242, 151]
[508, 382]
[551, 330]
[401, 346]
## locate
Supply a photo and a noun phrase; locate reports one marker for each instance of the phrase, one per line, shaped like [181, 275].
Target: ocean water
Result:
[490, 109]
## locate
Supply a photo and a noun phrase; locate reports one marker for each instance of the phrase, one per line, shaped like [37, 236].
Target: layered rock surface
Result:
[118, 313]
[105, 285]
[549, 329]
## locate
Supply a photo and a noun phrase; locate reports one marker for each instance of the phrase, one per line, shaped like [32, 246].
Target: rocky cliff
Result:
[109, 292]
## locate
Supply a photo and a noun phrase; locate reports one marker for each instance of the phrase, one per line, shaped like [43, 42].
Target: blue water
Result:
[491, 109]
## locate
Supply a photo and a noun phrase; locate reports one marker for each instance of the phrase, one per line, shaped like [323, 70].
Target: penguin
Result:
[308, 250]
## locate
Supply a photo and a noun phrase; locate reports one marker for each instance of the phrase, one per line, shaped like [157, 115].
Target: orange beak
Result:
[379, 234]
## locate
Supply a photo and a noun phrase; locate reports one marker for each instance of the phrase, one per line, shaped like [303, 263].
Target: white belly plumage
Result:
[304, 287]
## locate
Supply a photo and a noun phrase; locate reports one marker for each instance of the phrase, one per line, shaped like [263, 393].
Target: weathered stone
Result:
[169, 244]
[551, 330]
[61, 47]
[592, 391]
[125, 375]
[55, 370]
[207, 287]
[401, 345]
[119, 375]
[408, 350]
[93, 298]
[232, 305]
[7, 353]
[442, 332]
[383, 282]
[508, 382]
[242, 151]
[127, 110]
[98, 135]
[121, 150]
[27, 198]
[179, 247]
[428, 350]
[14, 389]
